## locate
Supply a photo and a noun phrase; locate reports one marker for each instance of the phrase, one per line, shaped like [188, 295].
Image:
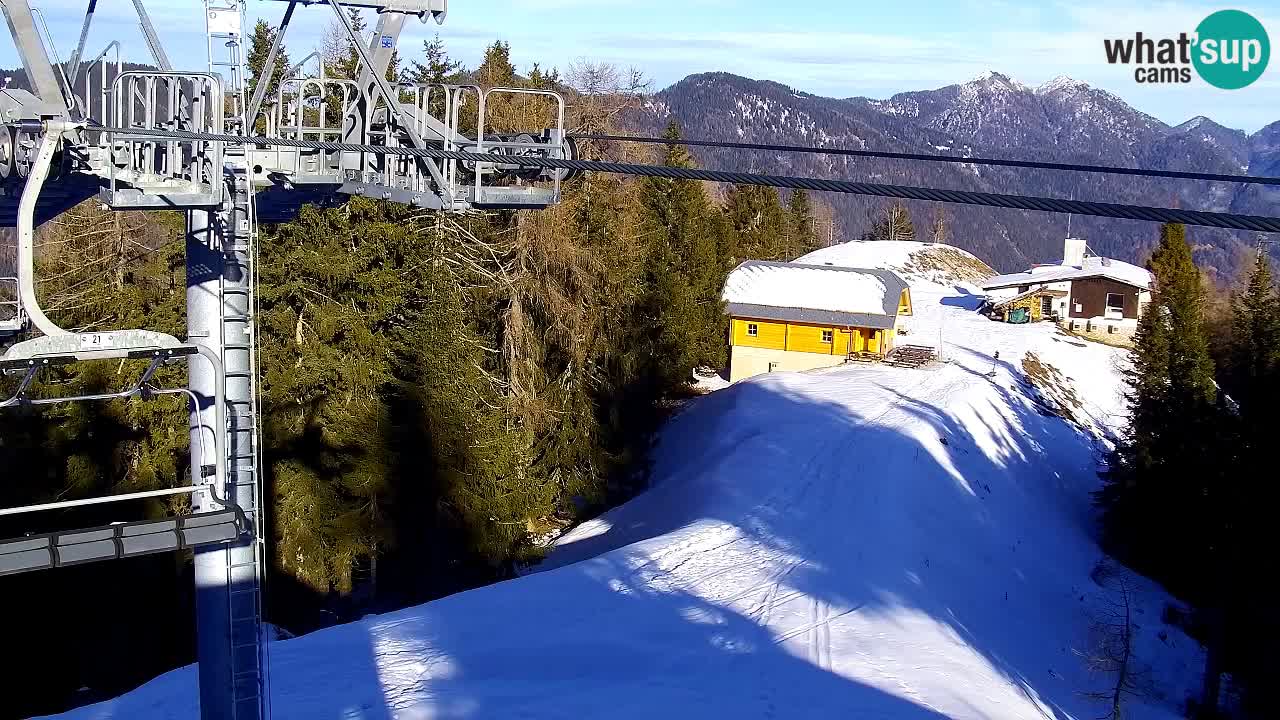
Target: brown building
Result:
[1092, 296]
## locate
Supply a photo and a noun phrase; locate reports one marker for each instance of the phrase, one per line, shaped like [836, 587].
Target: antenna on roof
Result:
[1068, 224]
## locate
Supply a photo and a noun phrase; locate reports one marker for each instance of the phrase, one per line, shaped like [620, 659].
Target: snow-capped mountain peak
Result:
[992, 78]
[1062, 83]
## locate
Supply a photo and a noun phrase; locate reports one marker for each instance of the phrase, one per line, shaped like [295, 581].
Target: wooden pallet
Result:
[911, 356]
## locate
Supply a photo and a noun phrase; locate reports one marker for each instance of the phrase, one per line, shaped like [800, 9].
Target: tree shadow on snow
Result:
[783, 514]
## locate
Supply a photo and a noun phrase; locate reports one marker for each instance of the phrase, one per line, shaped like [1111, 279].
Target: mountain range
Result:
[993, 115]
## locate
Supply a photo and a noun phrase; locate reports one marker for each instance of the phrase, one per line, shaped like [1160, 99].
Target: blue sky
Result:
[836, 48]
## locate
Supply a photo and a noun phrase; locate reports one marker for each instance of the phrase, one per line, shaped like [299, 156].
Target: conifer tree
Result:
[438, 67]
[1252, 377]
[758, 222]
[1255, 348]
[496, 68]
[264, 34]
[1163, 493]
[685, 249]
[801, 236]
[940, 226]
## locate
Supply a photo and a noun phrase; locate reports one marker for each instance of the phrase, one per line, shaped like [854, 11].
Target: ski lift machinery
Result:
[90, 127]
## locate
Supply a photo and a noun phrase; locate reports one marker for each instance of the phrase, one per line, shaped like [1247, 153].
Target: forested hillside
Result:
[440, 392]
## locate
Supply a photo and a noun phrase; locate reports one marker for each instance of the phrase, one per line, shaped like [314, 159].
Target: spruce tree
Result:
[1161, 501]
[438, 67]
[1252, 377]
[496, 68]
[758, 221]
[264, 34]
[801, 238]
[1255, 346]
[684, 246]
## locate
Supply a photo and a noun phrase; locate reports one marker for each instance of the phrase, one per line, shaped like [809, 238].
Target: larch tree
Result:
[940, 226]
[893, 224]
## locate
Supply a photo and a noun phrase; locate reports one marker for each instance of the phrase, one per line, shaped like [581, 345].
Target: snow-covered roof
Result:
[1093, 267]
[814, 293]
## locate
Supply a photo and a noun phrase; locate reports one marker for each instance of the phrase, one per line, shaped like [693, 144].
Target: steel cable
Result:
[1036, 164]
[1231, 221]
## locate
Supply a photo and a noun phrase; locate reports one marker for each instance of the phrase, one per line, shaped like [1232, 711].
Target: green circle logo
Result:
[1232, 49]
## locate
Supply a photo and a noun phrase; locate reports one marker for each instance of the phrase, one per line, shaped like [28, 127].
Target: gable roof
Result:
[1092, 267]
[827, 294]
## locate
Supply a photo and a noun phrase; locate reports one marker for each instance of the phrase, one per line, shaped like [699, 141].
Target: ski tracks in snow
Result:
[768, 597]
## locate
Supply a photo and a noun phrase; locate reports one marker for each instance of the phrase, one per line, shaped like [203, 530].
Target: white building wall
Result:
[1103, 329]
[745, 362]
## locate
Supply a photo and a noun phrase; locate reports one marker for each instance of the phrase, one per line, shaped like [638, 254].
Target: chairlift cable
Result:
[1231, 221]
[961, 159]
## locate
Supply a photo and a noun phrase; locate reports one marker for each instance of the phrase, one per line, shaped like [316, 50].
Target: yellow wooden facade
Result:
[808, 337]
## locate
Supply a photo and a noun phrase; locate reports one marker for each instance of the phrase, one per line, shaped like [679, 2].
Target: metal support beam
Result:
[79, 53]
[35, 59]
[49, 141]
[268, 70]
[388, 95]
[379, 80]
[153, 41]
[386, 37]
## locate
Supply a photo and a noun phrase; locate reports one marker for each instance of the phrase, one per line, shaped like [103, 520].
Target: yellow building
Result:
[787, 316]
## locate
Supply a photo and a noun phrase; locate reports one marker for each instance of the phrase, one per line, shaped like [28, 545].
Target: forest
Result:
[1186, 499]
[440, 393]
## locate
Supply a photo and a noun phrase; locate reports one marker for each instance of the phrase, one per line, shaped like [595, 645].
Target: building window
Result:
[826, 336]
[1115, 305]
[753, 330]
[1046, 305]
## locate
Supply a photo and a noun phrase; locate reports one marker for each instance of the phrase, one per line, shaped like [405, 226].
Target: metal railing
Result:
[156, 100]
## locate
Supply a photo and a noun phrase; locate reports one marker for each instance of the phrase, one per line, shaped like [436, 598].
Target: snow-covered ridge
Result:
[919, 263]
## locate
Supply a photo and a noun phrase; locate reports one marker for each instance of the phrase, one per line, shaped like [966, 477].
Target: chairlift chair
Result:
[226, 524]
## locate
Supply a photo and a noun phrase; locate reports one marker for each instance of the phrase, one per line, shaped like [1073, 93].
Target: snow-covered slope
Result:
[858, 542]
[915, 262]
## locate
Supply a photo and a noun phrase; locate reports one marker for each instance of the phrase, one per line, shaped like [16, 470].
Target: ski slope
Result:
[858, 542]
